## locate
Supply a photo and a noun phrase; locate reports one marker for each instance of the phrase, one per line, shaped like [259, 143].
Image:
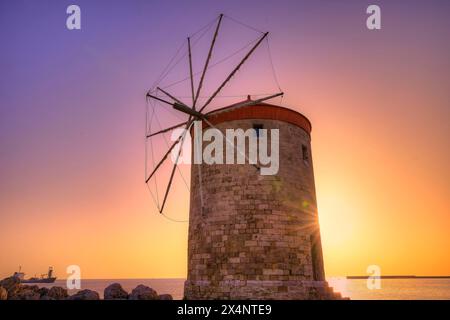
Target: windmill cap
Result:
[259, 111]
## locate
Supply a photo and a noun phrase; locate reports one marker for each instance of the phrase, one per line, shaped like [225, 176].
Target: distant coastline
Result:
[401, 277]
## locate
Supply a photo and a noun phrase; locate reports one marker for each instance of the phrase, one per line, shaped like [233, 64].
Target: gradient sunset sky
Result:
[72, 125]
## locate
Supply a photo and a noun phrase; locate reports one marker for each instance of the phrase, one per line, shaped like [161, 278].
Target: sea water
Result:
[391, 289]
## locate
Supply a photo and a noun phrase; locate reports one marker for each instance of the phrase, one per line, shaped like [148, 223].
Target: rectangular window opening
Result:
[305, 153]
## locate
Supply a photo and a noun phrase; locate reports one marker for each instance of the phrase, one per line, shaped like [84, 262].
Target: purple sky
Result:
[72, 102]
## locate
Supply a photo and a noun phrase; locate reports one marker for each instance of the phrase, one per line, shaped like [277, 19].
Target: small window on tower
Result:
[305, 153]
[257, 128]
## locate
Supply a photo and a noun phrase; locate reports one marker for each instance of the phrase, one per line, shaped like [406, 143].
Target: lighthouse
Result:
[254, 236]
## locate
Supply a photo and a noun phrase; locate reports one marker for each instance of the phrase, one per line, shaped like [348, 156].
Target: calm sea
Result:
[391, 289]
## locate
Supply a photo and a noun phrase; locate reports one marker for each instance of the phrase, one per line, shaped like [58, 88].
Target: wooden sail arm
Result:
[171, 96]
[181, 139]
[162, 160]
[168, 187]
[159, 99]
[178, 105]
[191, 73]
[208, 58]
[186, 109]
[166, 129]
[233, 72]
[252, 102]
[181, 106]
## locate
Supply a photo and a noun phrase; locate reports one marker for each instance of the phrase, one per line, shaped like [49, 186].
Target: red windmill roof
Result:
[261, 110]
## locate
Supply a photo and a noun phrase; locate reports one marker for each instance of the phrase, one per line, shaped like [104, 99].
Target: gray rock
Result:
[85, 294]
[25, 294]
[142, 292]
[43, 291]
[3, 293]
[34, 288]
[45, 297]
[57, 293]
[165, 297]
[115, 291]
[11, 284]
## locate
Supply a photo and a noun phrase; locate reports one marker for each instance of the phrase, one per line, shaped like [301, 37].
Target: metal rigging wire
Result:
[272, 65]
[214, 64]
[167, 144]
[169, 68]
[242, 24]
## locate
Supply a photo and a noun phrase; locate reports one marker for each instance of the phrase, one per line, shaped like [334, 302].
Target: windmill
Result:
[251, 236]
[191, 108]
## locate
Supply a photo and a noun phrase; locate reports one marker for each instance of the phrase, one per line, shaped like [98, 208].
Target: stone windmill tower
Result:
[251, 236]
[257, 236]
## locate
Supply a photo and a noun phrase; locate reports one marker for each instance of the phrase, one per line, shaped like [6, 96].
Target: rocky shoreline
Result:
[12, 289]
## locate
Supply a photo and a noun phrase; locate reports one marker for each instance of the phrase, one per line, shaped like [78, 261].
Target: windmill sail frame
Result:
[192, 111]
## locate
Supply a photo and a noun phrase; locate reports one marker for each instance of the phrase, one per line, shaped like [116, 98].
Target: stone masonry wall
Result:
[253, 237]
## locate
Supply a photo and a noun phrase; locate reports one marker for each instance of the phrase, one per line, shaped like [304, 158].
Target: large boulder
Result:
[115, 291]
[32, 288]
[25, 293]
[85, 294]
[11, 284]
[142, 292]
[165, 296]
[57, 293]
[43, 291]
[3, 293]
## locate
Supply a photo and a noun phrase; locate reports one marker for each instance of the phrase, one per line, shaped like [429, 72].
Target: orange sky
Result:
[73, 191]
